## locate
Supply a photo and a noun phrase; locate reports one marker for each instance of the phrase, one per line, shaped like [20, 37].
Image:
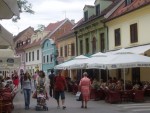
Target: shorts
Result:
[58, 94]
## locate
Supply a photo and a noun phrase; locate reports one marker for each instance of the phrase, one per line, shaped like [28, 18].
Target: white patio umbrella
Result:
[80, 64]
[67, 64]
[121, 59]
[6, 38]
[8, 8]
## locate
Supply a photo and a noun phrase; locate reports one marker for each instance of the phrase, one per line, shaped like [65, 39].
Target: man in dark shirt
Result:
[51, 87]
[59, 87]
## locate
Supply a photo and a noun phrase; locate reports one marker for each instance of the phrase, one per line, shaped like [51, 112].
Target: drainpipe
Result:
[76, 32]
[107, 39]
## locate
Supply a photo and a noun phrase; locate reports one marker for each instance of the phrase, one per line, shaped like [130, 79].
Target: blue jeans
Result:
[27, 94]
[35, 84]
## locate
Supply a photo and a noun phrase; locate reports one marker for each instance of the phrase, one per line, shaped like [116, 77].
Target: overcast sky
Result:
[47, 11]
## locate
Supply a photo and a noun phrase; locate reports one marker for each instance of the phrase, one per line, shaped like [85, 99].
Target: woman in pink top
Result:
[85, 86]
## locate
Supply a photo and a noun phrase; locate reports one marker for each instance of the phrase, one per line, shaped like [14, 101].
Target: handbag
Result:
[34, 95]
[78, 96]
[78, 93]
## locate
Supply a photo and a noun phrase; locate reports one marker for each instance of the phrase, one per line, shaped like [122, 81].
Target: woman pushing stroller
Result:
[41, 92]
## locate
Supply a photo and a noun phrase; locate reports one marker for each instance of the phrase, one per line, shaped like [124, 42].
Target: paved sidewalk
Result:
[72, 105]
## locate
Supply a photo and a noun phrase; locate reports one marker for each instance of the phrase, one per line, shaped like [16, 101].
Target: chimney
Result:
[72, 21]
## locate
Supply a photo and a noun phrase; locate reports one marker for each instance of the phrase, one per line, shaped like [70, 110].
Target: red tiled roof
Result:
[53, 26]
[21, 33]
[34, 43]
[136, 4]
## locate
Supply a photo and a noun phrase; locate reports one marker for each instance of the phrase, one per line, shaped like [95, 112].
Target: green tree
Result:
[40, 27]
[24, 6]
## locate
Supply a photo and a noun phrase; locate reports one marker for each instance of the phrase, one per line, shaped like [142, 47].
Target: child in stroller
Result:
[41, 98]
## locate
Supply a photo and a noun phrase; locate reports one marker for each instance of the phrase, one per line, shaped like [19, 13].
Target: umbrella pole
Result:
[81, 73]
[99, 74]
[107, 75]
[124, 78]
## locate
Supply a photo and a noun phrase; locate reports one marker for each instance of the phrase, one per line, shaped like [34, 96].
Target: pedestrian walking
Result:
[21, 77]
[51, 79]
[84, 87]
[35, 75]
[15, 79]
[27, 88]
[41, 78]
[59, 88]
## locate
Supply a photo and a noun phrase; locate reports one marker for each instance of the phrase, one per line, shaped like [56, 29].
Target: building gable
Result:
[128, 8]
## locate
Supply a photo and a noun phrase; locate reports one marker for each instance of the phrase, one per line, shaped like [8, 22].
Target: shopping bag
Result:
[34, 95]
[78, 96]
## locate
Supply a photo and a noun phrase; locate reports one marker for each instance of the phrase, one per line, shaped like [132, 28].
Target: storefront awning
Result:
[8, 8]
[137, 50]
[6, 38]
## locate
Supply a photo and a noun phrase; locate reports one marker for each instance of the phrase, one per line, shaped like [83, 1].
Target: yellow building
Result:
[129, 27]
[67, 50]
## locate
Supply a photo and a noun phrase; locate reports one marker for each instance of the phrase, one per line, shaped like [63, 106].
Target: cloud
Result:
[47, 11]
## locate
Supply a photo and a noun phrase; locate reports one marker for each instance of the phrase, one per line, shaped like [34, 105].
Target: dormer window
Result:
[97, 9]
[86, 15]
[127, 2]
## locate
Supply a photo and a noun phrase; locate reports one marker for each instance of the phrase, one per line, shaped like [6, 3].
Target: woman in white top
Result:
[27, 88]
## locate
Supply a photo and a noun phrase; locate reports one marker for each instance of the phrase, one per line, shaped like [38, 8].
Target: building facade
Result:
[66, 46]
[50, 45]
[91, 31]
[128, 27]
[33, 52]
[49, 53]
[21, 41]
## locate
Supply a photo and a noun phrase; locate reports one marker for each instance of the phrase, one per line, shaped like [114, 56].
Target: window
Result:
[37, 54]
[127, 2]
[66, 51]
[86, 15]
[94, 45]
[43, 59]
[22, 57]
[81, 47]
[69, 49]
[29, 56]
[102, 42]
[26, 57]
[33, 56]
[87, 45]
[61, 51]
[117, 37]
[98, 9]
[72, 49]
[51, 58]
[133, 33]
[47, 58]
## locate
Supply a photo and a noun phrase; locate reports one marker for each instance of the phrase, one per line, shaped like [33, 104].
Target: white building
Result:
[33, 54]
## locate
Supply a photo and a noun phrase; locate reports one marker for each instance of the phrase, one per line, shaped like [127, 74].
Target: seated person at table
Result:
[137, 85]
[114, 80]
[103, 86]
[119, 86]
[95, 84]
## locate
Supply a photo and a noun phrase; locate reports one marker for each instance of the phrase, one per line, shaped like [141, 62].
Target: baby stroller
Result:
[41, 98]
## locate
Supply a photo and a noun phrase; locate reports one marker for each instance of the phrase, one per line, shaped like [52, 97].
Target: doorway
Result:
[135, 75]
